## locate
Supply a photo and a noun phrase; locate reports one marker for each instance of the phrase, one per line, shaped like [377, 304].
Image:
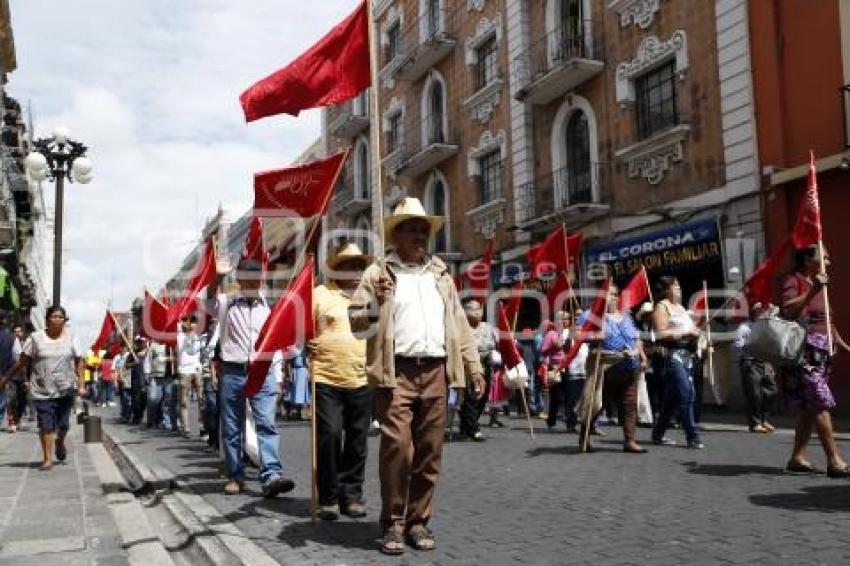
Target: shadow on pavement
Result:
[32, 464]
[566, 450]
[361, 535]
[732, 470]
[820, 499]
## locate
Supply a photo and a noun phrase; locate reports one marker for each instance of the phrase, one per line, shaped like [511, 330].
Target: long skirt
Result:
[500, 394]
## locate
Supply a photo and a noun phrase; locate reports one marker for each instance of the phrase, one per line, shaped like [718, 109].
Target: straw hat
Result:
[346, 252]
[407, 209]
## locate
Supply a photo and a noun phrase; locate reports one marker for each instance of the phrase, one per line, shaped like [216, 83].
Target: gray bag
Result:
[776, 340]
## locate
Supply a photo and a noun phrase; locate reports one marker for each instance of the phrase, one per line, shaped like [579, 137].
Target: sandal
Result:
[802, 468]
[421, 538]
[838, 473]
[392, 543]
[46, 466]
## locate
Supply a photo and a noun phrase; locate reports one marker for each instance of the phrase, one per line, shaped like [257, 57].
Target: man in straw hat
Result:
[343, 400]
[418, 342]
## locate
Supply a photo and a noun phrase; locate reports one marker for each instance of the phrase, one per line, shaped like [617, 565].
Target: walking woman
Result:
[807, 384]
[675, 329]
[486, 339]
[552, 352]
[57, 374]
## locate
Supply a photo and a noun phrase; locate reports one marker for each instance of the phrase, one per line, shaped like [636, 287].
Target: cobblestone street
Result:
[514, 499]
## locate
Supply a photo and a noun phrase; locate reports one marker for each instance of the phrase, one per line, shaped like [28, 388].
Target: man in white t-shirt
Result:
[188, 369]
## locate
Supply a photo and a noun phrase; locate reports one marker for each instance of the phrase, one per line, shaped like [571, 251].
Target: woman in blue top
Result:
[619, 336]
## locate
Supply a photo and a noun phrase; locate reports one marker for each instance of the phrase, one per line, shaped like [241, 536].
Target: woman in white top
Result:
[57, 375]
[676, 331]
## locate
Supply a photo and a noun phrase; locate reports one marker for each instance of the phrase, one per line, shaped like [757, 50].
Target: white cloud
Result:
[152, 88]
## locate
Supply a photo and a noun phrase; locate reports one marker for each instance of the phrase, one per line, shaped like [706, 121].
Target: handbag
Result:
[776, 340]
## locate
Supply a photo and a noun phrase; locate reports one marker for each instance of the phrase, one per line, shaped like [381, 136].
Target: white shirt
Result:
[418, 314]
[188, 353]
[240, 322]
[577, 367]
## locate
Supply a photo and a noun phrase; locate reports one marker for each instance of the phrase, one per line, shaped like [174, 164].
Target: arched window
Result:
[362, 173]
[362, 235]
[579, 166]
[437, 204]
[432, 17]
[435, 113]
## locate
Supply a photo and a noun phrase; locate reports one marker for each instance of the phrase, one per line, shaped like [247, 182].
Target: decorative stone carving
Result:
[486, 143]
[651, 53]
[638, 12]
[653, 157]
[477, 5]
[487, 217]
[485, 29]
[482, 104]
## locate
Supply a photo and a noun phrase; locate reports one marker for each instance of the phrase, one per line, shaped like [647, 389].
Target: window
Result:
[393, 41]
[438, 197]
[436, 133]
[579, 168]
[432, 18]
[656, 101]
[394, 133]
[568, 35]
[491, 176]
[360, 105]
[487, 58]
[363, 173]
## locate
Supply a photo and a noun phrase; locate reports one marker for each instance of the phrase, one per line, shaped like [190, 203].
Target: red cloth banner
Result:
[107, 328]
[636, 291]
[592, 324]
[507, 346]
[760, 285]
[334, 70]
[290, 323]
[807, 230]
[155, 322]
[304, 190]
[255, 247]
[556, 253]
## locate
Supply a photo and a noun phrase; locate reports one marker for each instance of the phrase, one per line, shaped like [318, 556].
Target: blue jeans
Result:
[211, 415]
[679, 394]
[232, 411]
[3, 402]
[126, 406]
[574, 387]
[162, 403]
[105, 392]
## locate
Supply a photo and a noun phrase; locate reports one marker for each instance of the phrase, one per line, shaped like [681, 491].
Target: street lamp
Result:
[58, 158]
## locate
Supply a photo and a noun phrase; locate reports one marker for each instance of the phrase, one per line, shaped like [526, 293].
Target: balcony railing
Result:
[349, 123]
[421, 153]
[559, 62]
[348, 202]
[421, 46]
[563, 195]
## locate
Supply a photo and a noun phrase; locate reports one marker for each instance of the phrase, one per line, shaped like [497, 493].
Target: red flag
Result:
[556, 253]
[759, 286]
[507, 346]
[334, 70]
[478, 273]
[560, 294]
[304, 189]
[156, 320]
[514, 301]
[458, 280]
[290, 323]
[636, 291]
[807, 229]
[204, 275]
[255, 247]
[107, 328]
[592, 324]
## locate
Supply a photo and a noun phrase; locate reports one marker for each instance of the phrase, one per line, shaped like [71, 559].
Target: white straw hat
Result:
[407, 209]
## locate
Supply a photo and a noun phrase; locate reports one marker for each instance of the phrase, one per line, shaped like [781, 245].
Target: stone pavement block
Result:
[13, 547]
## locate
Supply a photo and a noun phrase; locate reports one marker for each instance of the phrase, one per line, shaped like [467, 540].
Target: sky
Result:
[152, 88]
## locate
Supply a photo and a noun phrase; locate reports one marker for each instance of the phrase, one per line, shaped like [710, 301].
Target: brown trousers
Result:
[412, 417]
[621, 388]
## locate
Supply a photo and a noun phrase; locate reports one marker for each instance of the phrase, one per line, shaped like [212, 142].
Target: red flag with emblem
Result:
[635, 291]
[290, 323]
[107, 328]
[807, 230]
[304, 189]
[334, 70]
[556, 253]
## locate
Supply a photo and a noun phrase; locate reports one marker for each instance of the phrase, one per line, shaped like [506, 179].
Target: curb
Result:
[220, 541]
[137, 535]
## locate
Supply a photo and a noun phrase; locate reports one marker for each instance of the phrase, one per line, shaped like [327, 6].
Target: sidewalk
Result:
[57, 517]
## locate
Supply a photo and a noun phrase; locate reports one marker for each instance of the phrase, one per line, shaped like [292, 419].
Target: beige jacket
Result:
[375, 323]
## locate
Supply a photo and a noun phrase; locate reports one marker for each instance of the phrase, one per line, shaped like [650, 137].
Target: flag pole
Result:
[829, 340]
[121, 332]
[648, 286]
[375, 125]
[574, 306]
[314, 462]
[714, 390]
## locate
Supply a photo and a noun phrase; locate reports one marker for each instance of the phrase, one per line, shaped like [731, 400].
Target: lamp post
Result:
[58, 158]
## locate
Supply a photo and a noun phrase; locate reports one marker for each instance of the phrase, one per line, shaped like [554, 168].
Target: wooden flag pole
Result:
[314, 458]
[121, 332]
[829, 340]
[710, 345]
[648, 286]
[592, 399]
[375, 126]
[522, 389]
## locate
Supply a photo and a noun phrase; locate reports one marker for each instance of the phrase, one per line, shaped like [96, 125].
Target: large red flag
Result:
[759, 286]
[290, 323]
[255, 247]
[334, 70]
[155, 322]
[507, 346]
[304, 189]
[807, 229]
[107, 328]
[560, 294]
[556, 253]
[636, 291]
[478, 273]
[204, 275]
[592, 324]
